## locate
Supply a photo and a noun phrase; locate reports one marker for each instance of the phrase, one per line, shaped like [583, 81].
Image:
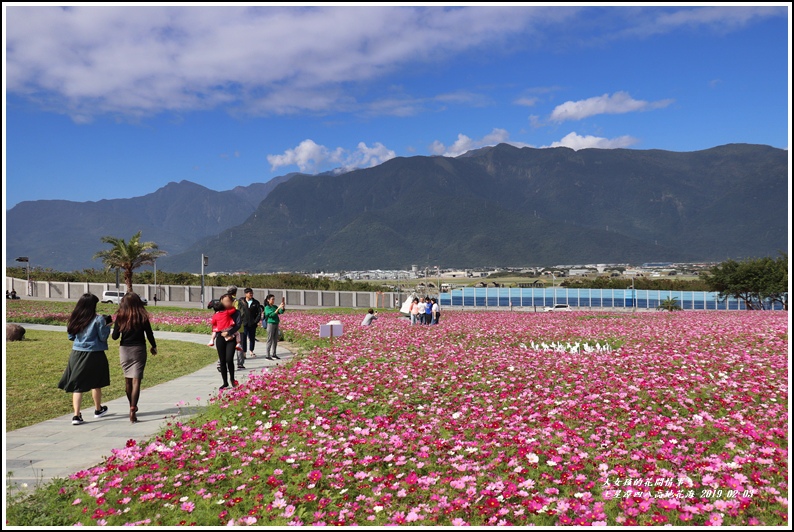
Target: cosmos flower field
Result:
[681, 420]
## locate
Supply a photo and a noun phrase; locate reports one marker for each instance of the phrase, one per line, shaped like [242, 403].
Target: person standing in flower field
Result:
[225, 342]
[271, 322]
[245, 316]
[249, 327]
[88, 367]
[133, 326]
[428, 311]
[415, 311]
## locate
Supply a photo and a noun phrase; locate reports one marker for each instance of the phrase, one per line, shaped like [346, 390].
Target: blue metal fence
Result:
[586, 297]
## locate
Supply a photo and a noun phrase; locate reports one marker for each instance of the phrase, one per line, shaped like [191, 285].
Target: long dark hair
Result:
[83, 314]
[267, 299]
[132, 315]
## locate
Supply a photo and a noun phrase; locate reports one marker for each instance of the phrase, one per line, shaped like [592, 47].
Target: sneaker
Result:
[268, 357]
[78, 420]
[223, 387]
[276, 356]
[238, 347]
[240, 367]
[101, 412]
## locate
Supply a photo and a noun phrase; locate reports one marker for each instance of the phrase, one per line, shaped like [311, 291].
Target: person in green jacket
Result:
[270, 322]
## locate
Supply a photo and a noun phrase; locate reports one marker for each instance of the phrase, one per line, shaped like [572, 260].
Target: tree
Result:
[759, 282]
[671, 304]
[128, 256]
[775, 286]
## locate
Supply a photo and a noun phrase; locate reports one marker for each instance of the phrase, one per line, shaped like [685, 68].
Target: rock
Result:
[14, 333]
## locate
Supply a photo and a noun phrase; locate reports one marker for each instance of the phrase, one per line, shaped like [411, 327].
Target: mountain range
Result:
[504, 205]
[498, 205]
[64, 235]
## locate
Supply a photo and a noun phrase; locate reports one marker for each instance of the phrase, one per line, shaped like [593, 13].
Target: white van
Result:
[112, 296]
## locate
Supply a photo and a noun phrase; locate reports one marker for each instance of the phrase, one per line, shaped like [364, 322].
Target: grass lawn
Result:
[35, 365]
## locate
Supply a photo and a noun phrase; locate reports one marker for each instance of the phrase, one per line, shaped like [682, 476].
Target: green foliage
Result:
[671, 304]
[759, 282]
[128, 256]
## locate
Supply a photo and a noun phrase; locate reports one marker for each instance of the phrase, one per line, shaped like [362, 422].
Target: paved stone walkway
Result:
[56, 448]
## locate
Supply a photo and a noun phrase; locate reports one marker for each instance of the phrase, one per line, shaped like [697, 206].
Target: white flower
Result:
[532, 458]
[456, 415]
[551, 463]
[377, 508]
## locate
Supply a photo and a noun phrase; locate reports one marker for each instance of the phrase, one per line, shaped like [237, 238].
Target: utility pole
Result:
[155, 282]
[204, 262]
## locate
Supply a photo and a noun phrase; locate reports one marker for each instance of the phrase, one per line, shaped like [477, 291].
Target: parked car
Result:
[559, 307]
[114, 296]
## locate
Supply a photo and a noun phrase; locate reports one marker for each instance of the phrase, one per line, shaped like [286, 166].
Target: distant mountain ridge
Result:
[516, 206]
[64, 235]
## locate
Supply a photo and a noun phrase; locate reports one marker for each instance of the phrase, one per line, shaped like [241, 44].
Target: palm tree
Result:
[671, 304]
[128, 256]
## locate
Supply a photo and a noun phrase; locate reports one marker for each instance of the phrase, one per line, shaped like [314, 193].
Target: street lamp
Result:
[155, 282]
[204, 262]
[553, 291]
[26, 260]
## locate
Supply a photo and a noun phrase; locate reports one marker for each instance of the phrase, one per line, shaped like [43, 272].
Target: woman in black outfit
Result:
[225, 344]
[132, 324]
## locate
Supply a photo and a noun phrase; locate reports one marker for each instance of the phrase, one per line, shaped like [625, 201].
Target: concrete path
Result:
[56, 448]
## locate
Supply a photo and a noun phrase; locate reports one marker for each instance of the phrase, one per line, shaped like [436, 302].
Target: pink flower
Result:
[188, 507]
[459, 522]
[714, 519]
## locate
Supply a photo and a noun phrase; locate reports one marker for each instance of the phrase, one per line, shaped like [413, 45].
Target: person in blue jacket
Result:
[88, 367]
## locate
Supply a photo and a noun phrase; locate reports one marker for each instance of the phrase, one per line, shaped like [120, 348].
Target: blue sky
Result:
[110, 102]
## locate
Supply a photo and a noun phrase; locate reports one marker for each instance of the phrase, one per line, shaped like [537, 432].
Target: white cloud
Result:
[366, 157]
[308, 156]
[311, 157]
[528, 102]
[719, 18]
[578, 142]
[465, 143]
[620, 102]
[141, 60]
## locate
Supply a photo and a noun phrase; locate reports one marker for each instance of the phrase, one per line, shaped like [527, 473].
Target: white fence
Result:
[192, 294]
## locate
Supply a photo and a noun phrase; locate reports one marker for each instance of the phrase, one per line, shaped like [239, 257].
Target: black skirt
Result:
[86, 370]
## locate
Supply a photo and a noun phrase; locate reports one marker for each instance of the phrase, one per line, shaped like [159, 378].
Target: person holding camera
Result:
[88, 367]
[271, 322]
[371, 316]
